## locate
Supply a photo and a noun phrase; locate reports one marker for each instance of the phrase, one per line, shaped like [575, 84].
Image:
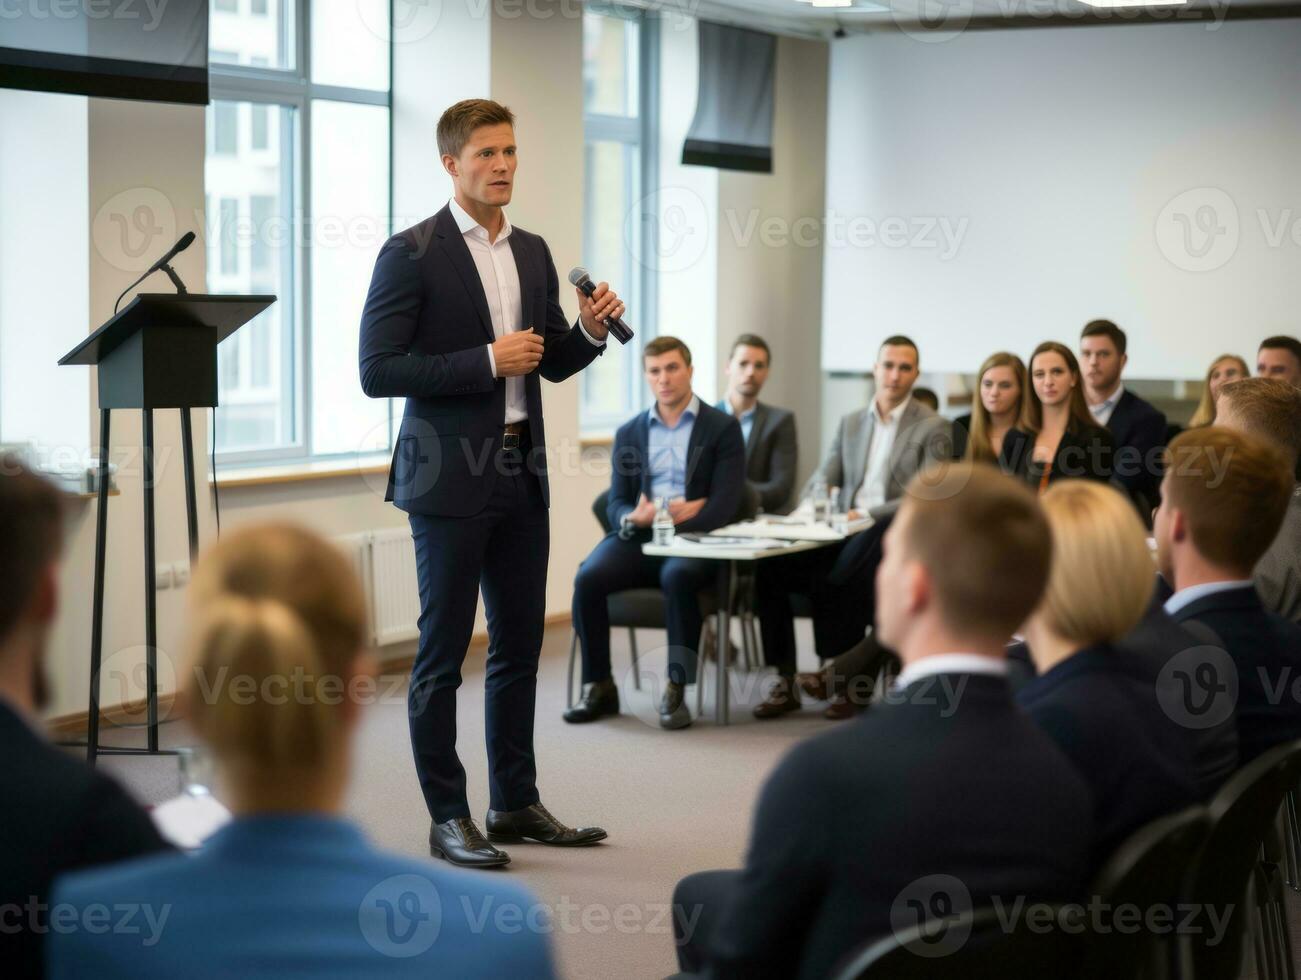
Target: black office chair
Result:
[1146, 871]
[1229, 870]
[973, 946]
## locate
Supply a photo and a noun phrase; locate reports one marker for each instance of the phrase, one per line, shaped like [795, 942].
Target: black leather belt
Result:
[512, 434]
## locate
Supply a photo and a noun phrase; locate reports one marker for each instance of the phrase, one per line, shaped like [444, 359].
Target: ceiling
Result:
[935, 16]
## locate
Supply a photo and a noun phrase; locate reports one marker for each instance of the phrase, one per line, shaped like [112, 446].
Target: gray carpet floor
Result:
[673, 802]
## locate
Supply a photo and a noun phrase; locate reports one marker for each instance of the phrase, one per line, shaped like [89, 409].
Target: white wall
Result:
[1066, 163]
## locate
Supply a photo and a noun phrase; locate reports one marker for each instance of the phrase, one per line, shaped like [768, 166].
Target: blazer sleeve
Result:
[726, 482]
[388, 326]
[625, 477]
[832, 468]
[567, 349]
[775, 492]
[1149, 436]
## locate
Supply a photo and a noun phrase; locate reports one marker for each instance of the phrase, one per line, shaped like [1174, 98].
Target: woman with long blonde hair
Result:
[1057, 436]
[279, 671]
[1225, 368]
[1000, 392]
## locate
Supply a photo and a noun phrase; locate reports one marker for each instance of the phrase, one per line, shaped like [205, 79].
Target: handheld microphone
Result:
[579, 278]
[186, 241]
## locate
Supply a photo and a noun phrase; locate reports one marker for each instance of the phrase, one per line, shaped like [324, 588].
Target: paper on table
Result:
[742, 542]
[765, 528]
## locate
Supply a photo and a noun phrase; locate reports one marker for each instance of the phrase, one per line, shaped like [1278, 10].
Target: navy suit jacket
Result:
[771, 458]
[1135, 758]
[302, 896]
[423, 333]
[1139, 429]
[1266, 650]
[715, 468]
[946, 778]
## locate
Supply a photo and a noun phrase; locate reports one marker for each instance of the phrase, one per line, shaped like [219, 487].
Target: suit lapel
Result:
[756, 429]
[906, 422]
[526, 284]
[458, 253]
[863, 447]
[693, 443]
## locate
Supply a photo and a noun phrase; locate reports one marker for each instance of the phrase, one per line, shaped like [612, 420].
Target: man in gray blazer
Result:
[1271, 408]
[875, 453]
[771, 451]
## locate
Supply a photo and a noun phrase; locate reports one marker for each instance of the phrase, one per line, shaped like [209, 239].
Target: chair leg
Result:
[747, 652]
[636, 667]
[573, 656]
[1292, 841]
[701, 671]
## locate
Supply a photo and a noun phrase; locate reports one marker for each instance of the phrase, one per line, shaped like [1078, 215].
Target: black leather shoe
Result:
[459, 841]
[535, 823]
[601, 699]
[673, 707]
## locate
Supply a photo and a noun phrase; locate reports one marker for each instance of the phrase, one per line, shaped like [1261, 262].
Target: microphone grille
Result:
[578, 275]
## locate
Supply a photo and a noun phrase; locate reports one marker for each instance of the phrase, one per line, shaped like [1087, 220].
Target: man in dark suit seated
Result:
[946, 781]
[1271, 408]
[58, 813]
[1137, 428]
[691, 456]
[771, 452]
[1223, 500]
[873, 455]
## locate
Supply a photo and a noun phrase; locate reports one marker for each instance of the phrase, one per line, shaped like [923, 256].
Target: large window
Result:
[619, 114]
[298, 204]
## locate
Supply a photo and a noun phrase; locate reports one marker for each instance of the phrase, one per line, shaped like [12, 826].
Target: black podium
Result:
[159, 352]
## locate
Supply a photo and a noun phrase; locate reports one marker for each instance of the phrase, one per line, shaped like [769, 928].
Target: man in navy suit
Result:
[1223, 500]
[462, 317]
[691, 456]
[1138, 428]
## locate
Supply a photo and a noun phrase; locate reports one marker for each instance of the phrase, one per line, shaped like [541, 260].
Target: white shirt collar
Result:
[950, 663]
[1191, 594]
[1110, 402]
[692, 409]
[896, 413]
[467, 224]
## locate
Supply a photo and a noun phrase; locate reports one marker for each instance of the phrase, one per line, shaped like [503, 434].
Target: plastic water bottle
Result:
[819, 499]
[833, 506]
[662, 526]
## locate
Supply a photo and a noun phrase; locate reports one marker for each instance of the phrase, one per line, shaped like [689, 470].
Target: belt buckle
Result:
[510, 440]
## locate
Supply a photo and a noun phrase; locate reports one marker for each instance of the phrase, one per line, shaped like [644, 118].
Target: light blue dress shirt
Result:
[666, 451]
[745, 418]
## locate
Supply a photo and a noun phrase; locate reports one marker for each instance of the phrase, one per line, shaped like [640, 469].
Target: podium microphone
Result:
[579, 278]
[185, 242]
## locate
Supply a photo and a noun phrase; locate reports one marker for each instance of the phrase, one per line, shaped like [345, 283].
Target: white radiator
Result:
[386, 563]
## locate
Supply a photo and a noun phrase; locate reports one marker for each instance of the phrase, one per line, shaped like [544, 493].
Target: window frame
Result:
[641, 131]
[292, 88]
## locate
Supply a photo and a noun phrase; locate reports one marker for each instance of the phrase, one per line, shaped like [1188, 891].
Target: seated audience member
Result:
[771, 452]
[1280, 357]
[927, 397]
[1272, 409]
[289, 887]
[1222, 502]
[58, 813]
[945, 777]
[1224, 369]
[1137, 760]
[1000, 393]
[873, 455]
[692, 456]
[1058, 437]
[1137, 428]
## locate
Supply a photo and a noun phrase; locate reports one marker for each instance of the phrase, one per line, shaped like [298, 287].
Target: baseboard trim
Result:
[132, 713]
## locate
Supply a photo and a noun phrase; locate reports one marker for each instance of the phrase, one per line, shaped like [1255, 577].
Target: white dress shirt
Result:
[1102, 411]
[950, 663]
[1191, 594]
[499, 276]
[875, 480]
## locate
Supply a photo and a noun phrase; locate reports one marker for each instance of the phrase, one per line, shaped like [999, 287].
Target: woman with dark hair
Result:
[1000, 394]
[1057, 437]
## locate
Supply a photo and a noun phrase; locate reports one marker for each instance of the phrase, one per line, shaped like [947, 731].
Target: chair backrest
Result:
[987, 944]
[1147, 871]
[599, 509]
[1241, 814]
